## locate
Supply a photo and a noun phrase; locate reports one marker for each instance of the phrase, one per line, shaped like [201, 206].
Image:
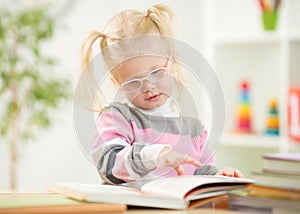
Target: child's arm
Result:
[117, 158]
[119, 162]
[207, 170]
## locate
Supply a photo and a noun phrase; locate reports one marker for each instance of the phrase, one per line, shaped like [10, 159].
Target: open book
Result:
[173, 192]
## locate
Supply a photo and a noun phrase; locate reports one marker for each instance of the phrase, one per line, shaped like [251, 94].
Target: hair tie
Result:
[103, 36]
[148, 13]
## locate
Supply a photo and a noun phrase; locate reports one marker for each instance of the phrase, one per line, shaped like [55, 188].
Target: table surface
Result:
[130, 209]
[200, 210]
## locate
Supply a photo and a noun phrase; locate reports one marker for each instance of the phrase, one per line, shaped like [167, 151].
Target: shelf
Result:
[293, 146]
[241, 49]
[250, 140]
[259, 38]
[294, 37]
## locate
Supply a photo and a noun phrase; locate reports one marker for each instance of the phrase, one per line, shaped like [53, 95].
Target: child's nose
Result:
[147, 85]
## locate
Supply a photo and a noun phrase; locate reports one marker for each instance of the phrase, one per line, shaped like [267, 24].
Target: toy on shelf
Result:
[244, 122]
[269, 13]
[272, 125]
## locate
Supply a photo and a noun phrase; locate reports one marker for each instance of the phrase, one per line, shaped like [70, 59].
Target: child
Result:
[145, 135]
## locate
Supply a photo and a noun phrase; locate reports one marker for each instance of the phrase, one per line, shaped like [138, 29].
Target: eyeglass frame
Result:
[142, 79]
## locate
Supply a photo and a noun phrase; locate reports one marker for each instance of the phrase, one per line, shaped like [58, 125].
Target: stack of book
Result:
[276, 186]
[280, 171]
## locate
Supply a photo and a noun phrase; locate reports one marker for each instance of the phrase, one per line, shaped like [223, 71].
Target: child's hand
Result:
[230, 172]
[171, 158]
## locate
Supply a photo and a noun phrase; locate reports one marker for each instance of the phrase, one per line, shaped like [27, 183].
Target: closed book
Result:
[272, 192]
[282, 163]
[271, 179]
[242, 201]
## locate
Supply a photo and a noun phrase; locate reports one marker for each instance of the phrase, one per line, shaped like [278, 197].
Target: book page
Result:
[179, 186]
[118, 194]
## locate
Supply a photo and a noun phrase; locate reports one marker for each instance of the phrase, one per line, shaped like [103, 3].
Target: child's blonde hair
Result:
[157, 20]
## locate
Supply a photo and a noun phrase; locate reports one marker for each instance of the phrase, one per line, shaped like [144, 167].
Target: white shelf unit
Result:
[251, 141]
[270, 60]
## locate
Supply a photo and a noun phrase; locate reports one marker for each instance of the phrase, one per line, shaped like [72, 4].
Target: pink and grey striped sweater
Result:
[129, 139]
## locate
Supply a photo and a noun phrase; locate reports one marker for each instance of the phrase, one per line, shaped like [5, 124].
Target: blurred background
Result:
[255, 55]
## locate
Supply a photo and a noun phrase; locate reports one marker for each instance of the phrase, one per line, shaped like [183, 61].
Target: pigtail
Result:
[88, 93]
[162, 17]
[86, 48]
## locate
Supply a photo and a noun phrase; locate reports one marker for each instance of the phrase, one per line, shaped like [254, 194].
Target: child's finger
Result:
[238, 174]
[226, 172]
[179, 169]
[193, 161]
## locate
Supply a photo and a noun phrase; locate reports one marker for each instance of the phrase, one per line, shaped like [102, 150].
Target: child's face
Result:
[146, 80]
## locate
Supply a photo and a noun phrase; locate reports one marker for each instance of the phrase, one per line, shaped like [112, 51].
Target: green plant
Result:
[29, 87]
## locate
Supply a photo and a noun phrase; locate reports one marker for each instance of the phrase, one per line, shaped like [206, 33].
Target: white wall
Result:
[56, 156]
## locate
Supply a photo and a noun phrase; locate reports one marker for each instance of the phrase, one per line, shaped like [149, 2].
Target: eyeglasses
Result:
[153, 77]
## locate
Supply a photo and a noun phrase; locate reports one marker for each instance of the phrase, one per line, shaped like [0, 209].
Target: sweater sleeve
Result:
[118, 158]
[206, 170]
